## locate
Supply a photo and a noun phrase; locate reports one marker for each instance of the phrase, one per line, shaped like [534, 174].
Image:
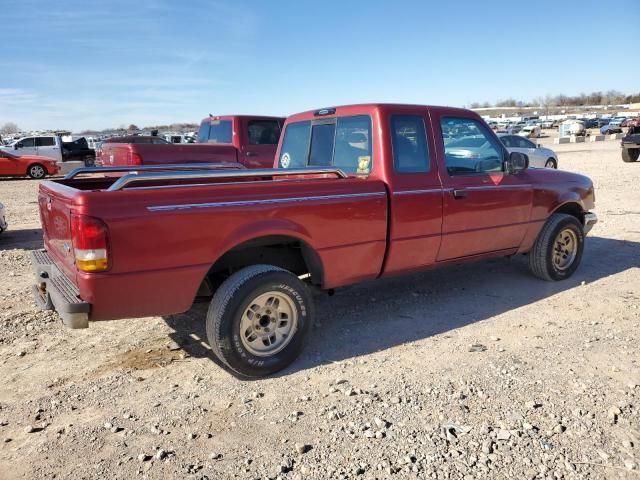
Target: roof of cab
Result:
[361, 108]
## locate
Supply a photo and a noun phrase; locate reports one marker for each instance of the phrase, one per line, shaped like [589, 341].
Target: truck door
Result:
[415, 193]
[49, 147]
[259, 142]
[485, 209]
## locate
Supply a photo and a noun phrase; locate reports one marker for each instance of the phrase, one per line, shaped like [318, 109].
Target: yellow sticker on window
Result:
[364, 163]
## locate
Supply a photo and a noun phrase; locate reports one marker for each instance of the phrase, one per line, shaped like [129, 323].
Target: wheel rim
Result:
[550, 164]
[565, 249]
[268, 324]
[37, 171]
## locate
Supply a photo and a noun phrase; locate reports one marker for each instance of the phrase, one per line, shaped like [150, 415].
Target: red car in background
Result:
[26, 165]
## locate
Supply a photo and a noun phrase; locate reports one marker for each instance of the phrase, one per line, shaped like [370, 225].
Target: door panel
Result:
[484, 209]
[260, 141]
[28, 147]
[416, 192]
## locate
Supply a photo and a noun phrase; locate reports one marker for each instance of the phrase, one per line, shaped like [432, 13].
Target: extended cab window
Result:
[409, 140]
[343, 143]
[264, 132]
[468, 147]
[215, 131]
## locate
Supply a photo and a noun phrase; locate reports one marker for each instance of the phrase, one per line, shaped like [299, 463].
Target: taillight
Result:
[90, 243]
[136, 159]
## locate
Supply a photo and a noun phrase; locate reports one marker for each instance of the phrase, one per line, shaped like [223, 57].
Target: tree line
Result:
[610, 97]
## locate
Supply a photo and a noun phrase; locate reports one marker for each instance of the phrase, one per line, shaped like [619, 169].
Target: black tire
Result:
[630, 155]
[36, 171]
[541, 255]
[551, 163]
[232, 300]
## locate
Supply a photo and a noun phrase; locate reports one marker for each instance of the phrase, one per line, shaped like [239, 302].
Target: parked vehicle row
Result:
[52, 146]
[359, 192]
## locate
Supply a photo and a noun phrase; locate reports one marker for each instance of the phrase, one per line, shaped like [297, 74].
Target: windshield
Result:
[215, 131]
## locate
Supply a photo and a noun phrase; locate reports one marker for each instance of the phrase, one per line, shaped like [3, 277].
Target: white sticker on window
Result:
[285, 160]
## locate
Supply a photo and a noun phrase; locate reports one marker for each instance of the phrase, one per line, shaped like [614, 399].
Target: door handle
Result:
[251, 154]
[459, 193]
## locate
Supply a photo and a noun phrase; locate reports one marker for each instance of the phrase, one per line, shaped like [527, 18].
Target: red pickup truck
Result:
[360, 192]
[248, 140]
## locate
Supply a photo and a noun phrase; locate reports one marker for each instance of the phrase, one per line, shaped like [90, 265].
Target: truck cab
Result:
[255, 137]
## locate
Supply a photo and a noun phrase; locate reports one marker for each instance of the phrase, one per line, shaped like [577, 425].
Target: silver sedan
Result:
[539, 157]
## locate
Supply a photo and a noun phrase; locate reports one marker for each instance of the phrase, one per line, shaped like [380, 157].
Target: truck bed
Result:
[165, 233]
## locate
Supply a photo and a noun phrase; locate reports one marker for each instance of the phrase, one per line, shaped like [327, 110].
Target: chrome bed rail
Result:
[122, 182]
[150, 168]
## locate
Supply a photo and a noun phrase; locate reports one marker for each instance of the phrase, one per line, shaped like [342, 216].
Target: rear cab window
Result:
[263, 132]
[339, 142]
[215, 131]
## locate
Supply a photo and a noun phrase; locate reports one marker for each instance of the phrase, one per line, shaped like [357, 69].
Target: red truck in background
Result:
[248, 140]
[360, 192]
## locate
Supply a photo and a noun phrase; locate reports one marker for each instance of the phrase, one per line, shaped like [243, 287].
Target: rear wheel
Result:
[551, 163]
[258, 320]
[36, 171]
[630, 154]
[557, 251]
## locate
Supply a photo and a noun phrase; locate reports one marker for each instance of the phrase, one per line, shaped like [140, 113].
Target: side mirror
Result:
[16, 146]
[516, 163]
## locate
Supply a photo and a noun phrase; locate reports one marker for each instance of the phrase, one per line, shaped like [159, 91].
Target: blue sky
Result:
[71, 64]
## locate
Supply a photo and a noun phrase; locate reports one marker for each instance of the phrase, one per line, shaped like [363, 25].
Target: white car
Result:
[539, 157]
[530, 131]
[3, 219]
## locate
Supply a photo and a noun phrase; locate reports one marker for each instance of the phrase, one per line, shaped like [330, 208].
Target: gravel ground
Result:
[477, 371]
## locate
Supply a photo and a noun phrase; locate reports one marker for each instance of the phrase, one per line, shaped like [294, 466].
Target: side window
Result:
[321, 151]
[28, 142]
[295, 145]
[352, 151]
[524, 143]
[264, 132]
[409, 140]
[45, 142]
[508, 141]
[468, 147]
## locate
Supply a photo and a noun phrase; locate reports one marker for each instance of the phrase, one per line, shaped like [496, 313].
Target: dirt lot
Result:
[388, 386]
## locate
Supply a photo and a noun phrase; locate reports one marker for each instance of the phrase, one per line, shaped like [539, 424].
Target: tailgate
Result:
[55, 215]
[116, 154]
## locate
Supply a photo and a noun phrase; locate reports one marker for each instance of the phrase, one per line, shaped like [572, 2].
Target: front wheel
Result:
[551, 163]
[558, 249]
[36, 171]
[258, 320]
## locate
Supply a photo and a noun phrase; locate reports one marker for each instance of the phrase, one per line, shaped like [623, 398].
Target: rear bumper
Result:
[590, 219]
[54, 291]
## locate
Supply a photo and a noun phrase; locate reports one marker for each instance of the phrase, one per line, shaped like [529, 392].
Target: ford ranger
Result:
[248, 140]
[357, 193]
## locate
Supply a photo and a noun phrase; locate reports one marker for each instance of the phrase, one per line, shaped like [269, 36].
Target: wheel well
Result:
[281, 251]
[573, 209]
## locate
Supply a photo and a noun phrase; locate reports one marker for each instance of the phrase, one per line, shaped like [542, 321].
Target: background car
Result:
[601, 122]
[617, 121]
[547, 124]
[610, 128]
[530, 132]
[539, 157]
[3, 219]
[26, 165]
